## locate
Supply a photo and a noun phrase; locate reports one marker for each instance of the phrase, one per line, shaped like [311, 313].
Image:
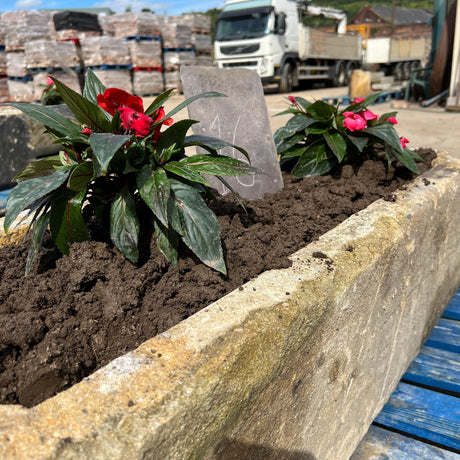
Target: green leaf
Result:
[66, 221]
[219, 165]
[191, 99]
[158, 102]
[124, 225]
[287, 144]
[48, 117]
[359, 141]
[81, 176]
[308, 164]
[312, 130]
[154, 188]
[167, 242]
[93, 87]
[39, 168]
[406, 159]
[295, 152]
[201, 228]
[181, 170]
[321, 110]
[105, 145]
[27, 192]
[39, 227]
[337, 144]
[299, 123]
[85, 111]
[212, 144]
[386, 133]
[289, 111]
[175, 134]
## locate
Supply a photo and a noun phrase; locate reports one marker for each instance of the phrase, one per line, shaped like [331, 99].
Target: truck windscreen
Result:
[249, 23]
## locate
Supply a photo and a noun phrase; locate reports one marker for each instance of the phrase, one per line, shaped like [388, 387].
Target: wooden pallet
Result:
[422, 417]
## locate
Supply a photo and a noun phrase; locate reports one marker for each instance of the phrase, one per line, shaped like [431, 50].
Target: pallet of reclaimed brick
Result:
[202, 43]
[199, 22]
[117, 78]
[70, 78]
[28, 18]
[203, 59]
[21, 89]
[133, 25]
[49, 53]
[73, 25]
[4, 93]
[3, 29]
[16, 64]
[174, 59]
[18, 36]
[173, 81]
[145, 53]
[176, 36]
[97, 51]
[146, 82]
[2, 62]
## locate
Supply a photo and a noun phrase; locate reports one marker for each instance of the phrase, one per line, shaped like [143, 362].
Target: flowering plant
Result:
[117, 165]
[50, 96]
[320, 136]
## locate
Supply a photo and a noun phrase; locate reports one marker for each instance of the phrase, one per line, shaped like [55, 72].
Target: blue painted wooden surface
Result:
[436, 368]
[3, 197]
[381, 444]
[445, 335]
[423, 413]
[453, 308]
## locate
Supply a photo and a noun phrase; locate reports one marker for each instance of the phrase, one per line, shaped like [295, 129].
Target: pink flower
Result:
[292, 99]
[358, 100]
[391, 120]
[354, 121]
[49, 81]
[87, 131]
[368, 115]
[404, 142]
[136, 122]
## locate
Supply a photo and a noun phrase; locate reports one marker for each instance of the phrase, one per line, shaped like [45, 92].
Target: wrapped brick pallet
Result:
[198, 22]
[48, 53]
[146, 83]
[16, 64]
[132, 25]
[98, 51]
[174, 60]
[21, 89]
[18, 36]
[4, 93]
[27, 18]
[176, 36]
[146, 53]
[115, 78]
[76, 25]
[3, 63]
[69, 77]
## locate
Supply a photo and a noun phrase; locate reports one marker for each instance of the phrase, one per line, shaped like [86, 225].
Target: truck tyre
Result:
[407, 71]
[349, 71]
[287, 78]
[340, 77]
[398, 71]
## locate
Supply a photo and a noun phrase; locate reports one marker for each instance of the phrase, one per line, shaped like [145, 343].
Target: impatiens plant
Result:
[119, 163]
[319, 136]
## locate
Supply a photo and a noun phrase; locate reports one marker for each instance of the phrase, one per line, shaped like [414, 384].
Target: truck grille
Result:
[241, 49]
[241, 64]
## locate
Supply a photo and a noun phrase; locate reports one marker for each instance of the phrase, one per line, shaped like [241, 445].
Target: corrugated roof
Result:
[403, 15]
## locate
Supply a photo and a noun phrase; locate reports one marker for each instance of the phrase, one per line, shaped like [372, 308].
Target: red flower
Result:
[138, 123]
[359, 100]
[404, 142]
[87, 131]
[391, 120]
[114, 98]
[354, 121]
[159, 116]
[292, 99]
[49, 81]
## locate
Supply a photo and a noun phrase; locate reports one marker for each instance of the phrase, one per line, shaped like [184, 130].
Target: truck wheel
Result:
[349, 71]
[287, 78]
[398, 71]
[340, 77]
[406, 70]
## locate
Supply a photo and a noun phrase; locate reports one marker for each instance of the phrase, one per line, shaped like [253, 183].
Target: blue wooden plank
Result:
[436, 368]
[452, 310]
[423, 413]
[445, 335]
[381, 444]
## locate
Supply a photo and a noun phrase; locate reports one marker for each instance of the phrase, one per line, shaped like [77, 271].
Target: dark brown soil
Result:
[74, 314]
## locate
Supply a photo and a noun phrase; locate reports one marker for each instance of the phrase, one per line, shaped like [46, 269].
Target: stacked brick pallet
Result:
[139, 52]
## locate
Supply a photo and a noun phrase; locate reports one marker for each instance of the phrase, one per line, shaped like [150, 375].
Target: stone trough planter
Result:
[294, 364]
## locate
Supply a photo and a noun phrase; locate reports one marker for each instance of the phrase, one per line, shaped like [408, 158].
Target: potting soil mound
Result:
[74, 314]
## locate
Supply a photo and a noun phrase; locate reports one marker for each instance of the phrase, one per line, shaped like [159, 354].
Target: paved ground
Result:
[424, 127]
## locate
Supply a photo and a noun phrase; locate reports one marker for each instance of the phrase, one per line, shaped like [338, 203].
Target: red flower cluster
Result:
[131, 109]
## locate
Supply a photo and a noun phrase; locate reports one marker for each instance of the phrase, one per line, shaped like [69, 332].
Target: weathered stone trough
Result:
[295, 364]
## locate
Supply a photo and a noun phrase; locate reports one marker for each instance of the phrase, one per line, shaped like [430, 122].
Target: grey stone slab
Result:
[240, 118]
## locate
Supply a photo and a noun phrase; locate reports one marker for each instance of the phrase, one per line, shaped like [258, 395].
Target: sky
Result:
[170, 7]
